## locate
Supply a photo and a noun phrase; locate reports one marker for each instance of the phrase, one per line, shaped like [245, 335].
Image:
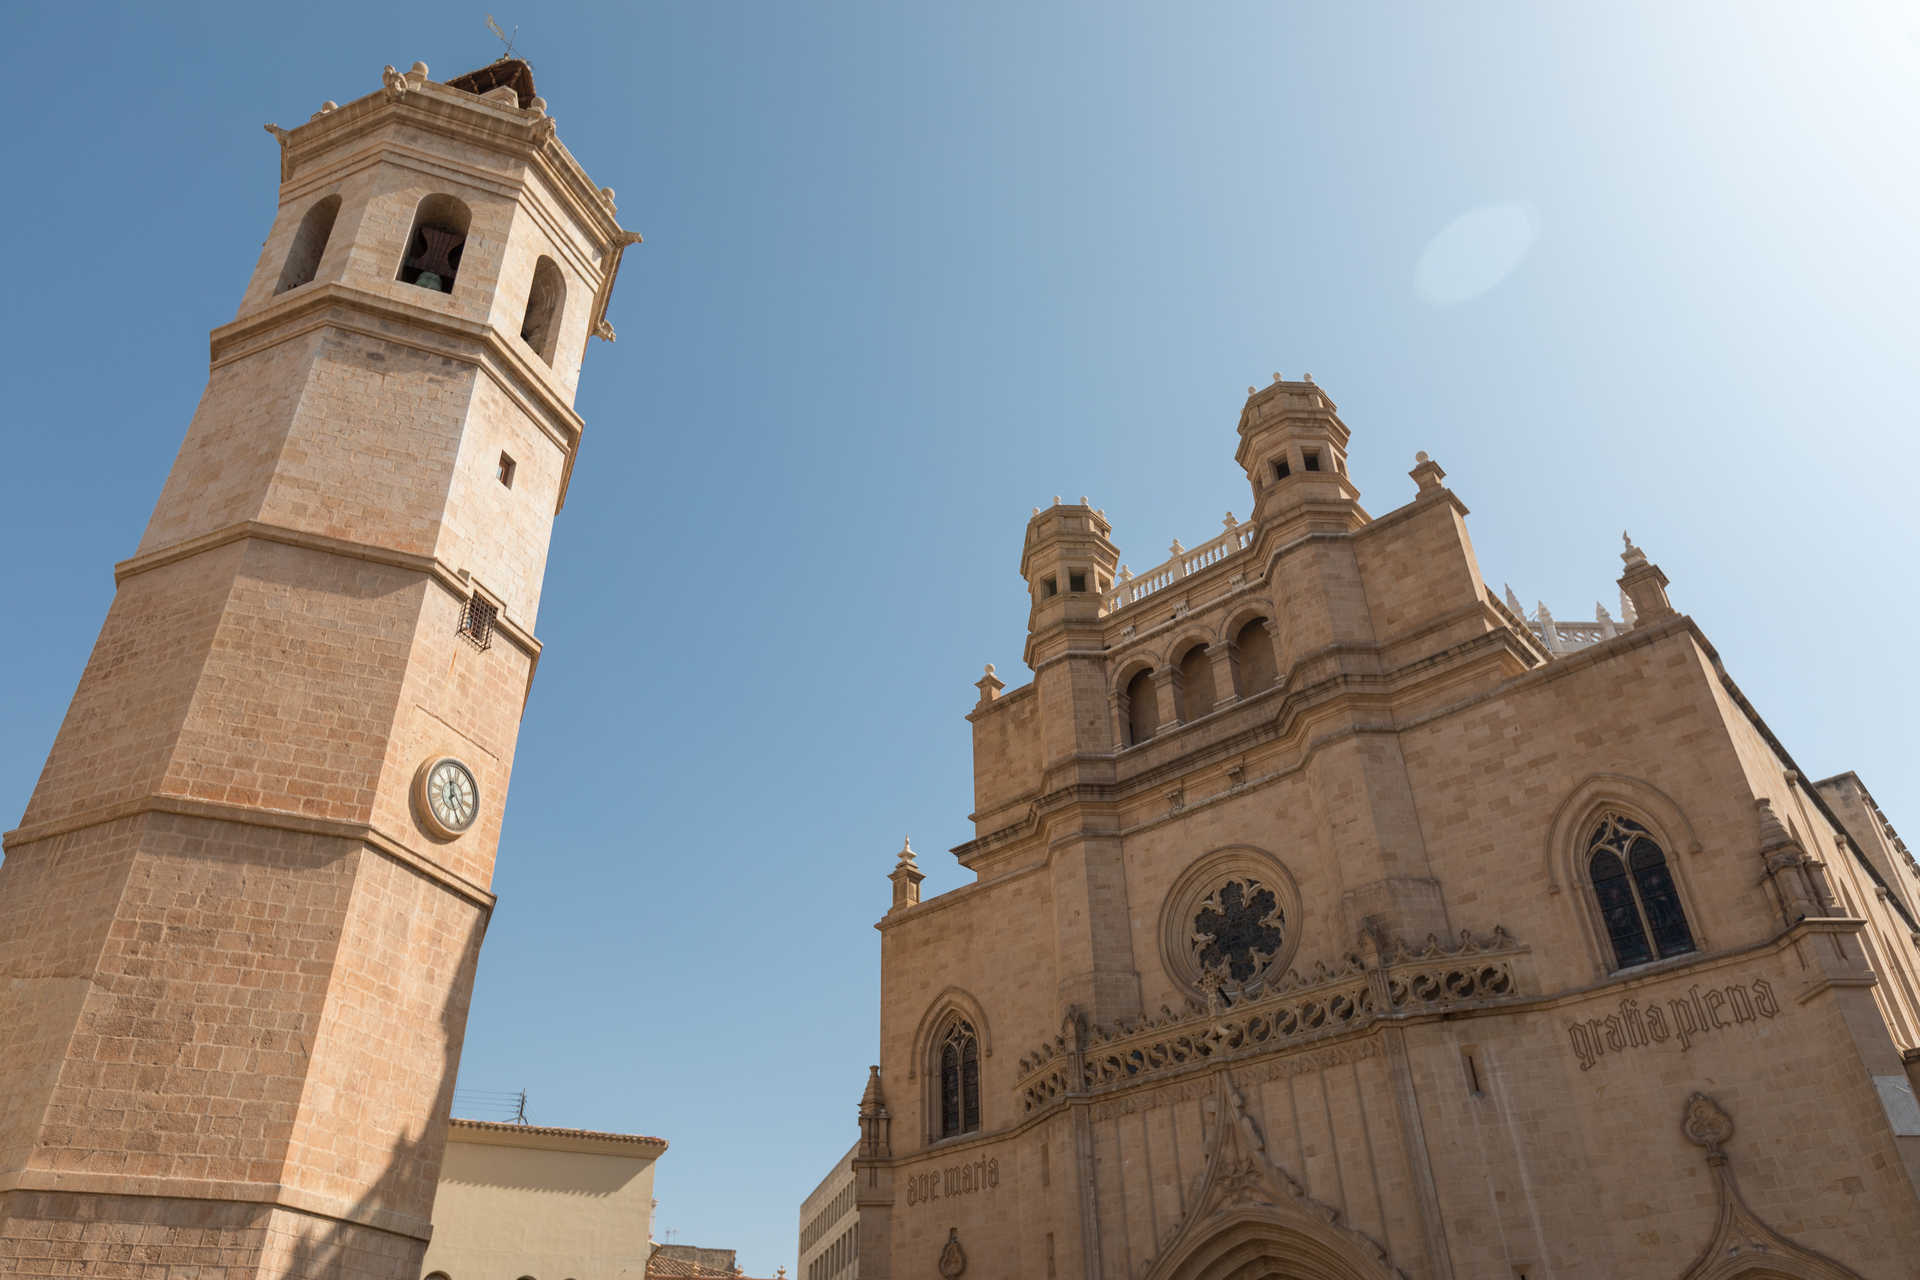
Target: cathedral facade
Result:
[1332, 920]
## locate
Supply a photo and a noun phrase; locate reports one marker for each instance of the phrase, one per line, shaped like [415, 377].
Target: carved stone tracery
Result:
[1742, 1245]
[1287, 1013]
[1241, 1198]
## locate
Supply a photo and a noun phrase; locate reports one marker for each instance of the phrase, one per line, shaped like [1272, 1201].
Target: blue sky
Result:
[911, 270]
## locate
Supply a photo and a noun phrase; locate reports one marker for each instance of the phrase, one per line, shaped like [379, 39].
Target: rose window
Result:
[1238, 931]
[1230, 924]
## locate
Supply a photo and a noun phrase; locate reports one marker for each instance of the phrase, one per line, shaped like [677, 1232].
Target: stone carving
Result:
[1742, 1245]
[953, 1259]
[1705, 1124]
[1238, 1175]
[393, 84]
[1294, 1010]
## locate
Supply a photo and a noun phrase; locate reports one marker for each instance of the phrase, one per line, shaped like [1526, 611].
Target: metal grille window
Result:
[476, 622]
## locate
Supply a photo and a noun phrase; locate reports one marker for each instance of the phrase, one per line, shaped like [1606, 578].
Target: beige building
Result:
[240, 917]
[829, 1222]
[1330, 919]
[519, 1200]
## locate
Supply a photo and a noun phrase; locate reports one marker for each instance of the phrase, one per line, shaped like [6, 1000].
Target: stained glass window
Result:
[1238, 930]
[959, 1080]
[1636, 894]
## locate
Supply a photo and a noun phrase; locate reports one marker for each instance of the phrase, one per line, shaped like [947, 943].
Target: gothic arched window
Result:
[1636, 894]
[959, 1079]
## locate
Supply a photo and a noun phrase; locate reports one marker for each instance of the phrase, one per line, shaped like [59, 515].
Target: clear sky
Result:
[911, 270]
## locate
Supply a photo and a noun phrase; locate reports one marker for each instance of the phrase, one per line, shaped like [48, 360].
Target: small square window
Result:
[1076, 582]
[1049, 588]
[1311, 459]
[476, 622]
[1281, 470]
[506, 470]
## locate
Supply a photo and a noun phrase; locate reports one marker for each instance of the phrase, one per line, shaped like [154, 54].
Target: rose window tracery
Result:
[1229, 924]
[1237, 932]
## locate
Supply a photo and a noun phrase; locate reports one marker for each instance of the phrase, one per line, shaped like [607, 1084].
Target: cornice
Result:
[494, 1133]
[457, 583]
[1504, 1008]
[354, 310]
[280, 1196]
[528, 135]
[275, 819]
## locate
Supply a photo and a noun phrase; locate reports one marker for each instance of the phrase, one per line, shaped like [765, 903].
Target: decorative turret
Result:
[1068, 563]
[1293, 448]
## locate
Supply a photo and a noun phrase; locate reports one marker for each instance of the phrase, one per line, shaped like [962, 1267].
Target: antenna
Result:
[503, 37]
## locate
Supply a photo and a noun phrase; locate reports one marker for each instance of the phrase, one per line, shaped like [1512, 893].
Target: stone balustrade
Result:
[1131, 588]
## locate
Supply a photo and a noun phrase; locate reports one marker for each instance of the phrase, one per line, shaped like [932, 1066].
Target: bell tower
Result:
[240, 917]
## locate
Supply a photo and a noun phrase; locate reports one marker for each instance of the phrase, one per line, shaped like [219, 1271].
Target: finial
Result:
[1540, 611]
[1176, 548]
[1252, 390]
[989, 686]
[1427, 473]
[1126, 574]
[329, 105]
[1632, 555]
[1083, 500]
[1306, 377]
[989, 668]
[1036, 511]
[906, 850]
[1102, 513]
[1229, 522]
[418, 69]
[1276, 377]
[1056, 499]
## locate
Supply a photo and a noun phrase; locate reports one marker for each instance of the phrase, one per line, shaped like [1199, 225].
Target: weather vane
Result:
[503, 37]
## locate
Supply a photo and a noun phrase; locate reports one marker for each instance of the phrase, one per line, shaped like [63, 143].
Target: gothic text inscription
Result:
[954, 1180]
[1680, 1019]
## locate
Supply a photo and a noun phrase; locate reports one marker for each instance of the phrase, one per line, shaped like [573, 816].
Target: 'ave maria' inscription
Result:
[954, 1180]
[1681, 1019]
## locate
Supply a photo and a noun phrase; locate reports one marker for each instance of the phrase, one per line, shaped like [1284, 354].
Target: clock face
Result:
[451, 795]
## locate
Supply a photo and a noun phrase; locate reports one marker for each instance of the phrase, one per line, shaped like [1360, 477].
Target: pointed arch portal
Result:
[1252, 1245]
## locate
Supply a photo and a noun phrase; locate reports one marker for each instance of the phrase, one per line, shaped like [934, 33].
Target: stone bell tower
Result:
[240, 918]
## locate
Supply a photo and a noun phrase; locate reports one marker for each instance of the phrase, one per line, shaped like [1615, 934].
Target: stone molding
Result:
[1742, 1245]
[66, 1182]
[1469, 973]
[1242, 1193]
[524, 133]
[458, 583]
[336, 305]
[221, 811]
[954, 1000]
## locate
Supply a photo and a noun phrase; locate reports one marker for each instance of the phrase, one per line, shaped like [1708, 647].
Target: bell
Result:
[428, 280]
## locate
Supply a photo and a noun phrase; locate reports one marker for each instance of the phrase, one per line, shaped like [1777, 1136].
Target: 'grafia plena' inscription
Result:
[1696, 1013]
[954, 1180]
